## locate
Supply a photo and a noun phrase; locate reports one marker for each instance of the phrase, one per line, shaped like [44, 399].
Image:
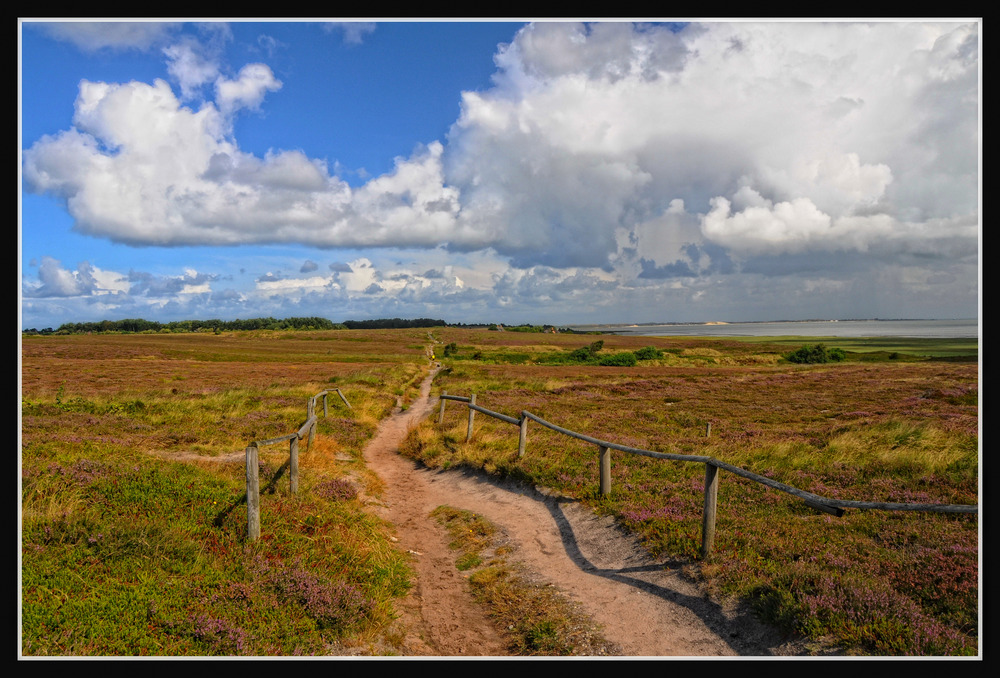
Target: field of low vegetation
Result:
[882, 425]
[133, 524]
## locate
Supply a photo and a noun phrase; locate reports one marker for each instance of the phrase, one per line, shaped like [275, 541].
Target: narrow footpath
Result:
[649, 608]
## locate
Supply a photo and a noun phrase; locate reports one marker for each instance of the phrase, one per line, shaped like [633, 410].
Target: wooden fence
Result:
[307, 431]
[832, 506]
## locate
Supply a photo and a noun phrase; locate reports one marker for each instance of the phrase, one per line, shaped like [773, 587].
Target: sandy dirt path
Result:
[649, 608]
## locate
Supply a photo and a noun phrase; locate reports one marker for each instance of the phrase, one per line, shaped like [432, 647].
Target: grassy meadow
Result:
[133, 527]
[133, 522]
[882, 426]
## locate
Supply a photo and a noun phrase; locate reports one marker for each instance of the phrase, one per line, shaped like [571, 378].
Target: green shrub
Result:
[648, 353]
[587, 353]
[816, 354]
[624, 359]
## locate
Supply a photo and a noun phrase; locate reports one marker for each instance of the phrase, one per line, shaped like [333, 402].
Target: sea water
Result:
[931, 329]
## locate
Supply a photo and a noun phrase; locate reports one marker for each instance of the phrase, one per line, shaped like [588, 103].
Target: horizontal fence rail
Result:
[495, 415]
[826, 504]
[307, 431]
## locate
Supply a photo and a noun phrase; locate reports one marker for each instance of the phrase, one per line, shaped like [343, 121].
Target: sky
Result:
[514, 172]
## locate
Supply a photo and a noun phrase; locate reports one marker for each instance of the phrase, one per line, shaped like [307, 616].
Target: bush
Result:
[816, 354]
[648, 353]
[587, 353]
[624, 359]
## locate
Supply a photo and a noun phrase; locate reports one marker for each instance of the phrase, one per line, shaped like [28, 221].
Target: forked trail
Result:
[647, 607]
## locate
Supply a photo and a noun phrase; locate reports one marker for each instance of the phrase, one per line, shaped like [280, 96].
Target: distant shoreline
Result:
[871, 327]
[765, 322]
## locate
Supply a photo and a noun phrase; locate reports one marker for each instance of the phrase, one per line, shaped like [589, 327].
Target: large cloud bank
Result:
[609, 147]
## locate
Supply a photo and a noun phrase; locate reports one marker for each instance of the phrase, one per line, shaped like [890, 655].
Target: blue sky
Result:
[499, 172]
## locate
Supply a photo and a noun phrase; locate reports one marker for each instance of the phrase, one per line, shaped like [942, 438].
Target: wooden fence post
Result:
[344, 398]
[708, 429]
[472, 415]
[708, 515]
[441, 413]
[253, 494]
[605, 464]
[522, 438]
[293, 464]
[326, 409]
[310, 414]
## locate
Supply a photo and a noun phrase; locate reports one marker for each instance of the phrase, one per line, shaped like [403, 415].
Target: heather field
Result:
[887, 427]
[133, 524]
[133, 527]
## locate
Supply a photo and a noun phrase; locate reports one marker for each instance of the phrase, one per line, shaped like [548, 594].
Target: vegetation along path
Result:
[646, 607]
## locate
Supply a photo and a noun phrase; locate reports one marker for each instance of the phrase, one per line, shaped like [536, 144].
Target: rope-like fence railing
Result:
[307, 431]
[826, 504]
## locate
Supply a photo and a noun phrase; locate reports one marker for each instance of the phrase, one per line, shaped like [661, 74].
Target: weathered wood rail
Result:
[712, 466]
[307, 431]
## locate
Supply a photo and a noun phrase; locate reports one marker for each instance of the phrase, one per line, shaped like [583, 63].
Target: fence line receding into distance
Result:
[832, 506]
[307, 431]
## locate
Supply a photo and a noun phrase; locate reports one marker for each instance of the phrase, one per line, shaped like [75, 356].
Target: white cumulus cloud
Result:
[609, 146]
[190, 66]
[252, 83]
[91, 36]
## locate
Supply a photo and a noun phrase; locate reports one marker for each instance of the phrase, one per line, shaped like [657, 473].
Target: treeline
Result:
[392, 323]
[137, 325]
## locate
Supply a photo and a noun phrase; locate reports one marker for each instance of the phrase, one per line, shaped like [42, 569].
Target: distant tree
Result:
[140, 325]
[392, 323]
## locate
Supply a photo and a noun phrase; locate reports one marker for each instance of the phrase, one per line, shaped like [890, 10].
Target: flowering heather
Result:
[126, 553]
[219, 635]
[880, 618]
[334, 605]
[674, 509]
[100, 542]
[336, 489]
[350, 434]
[889, 431]
[82, 471]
